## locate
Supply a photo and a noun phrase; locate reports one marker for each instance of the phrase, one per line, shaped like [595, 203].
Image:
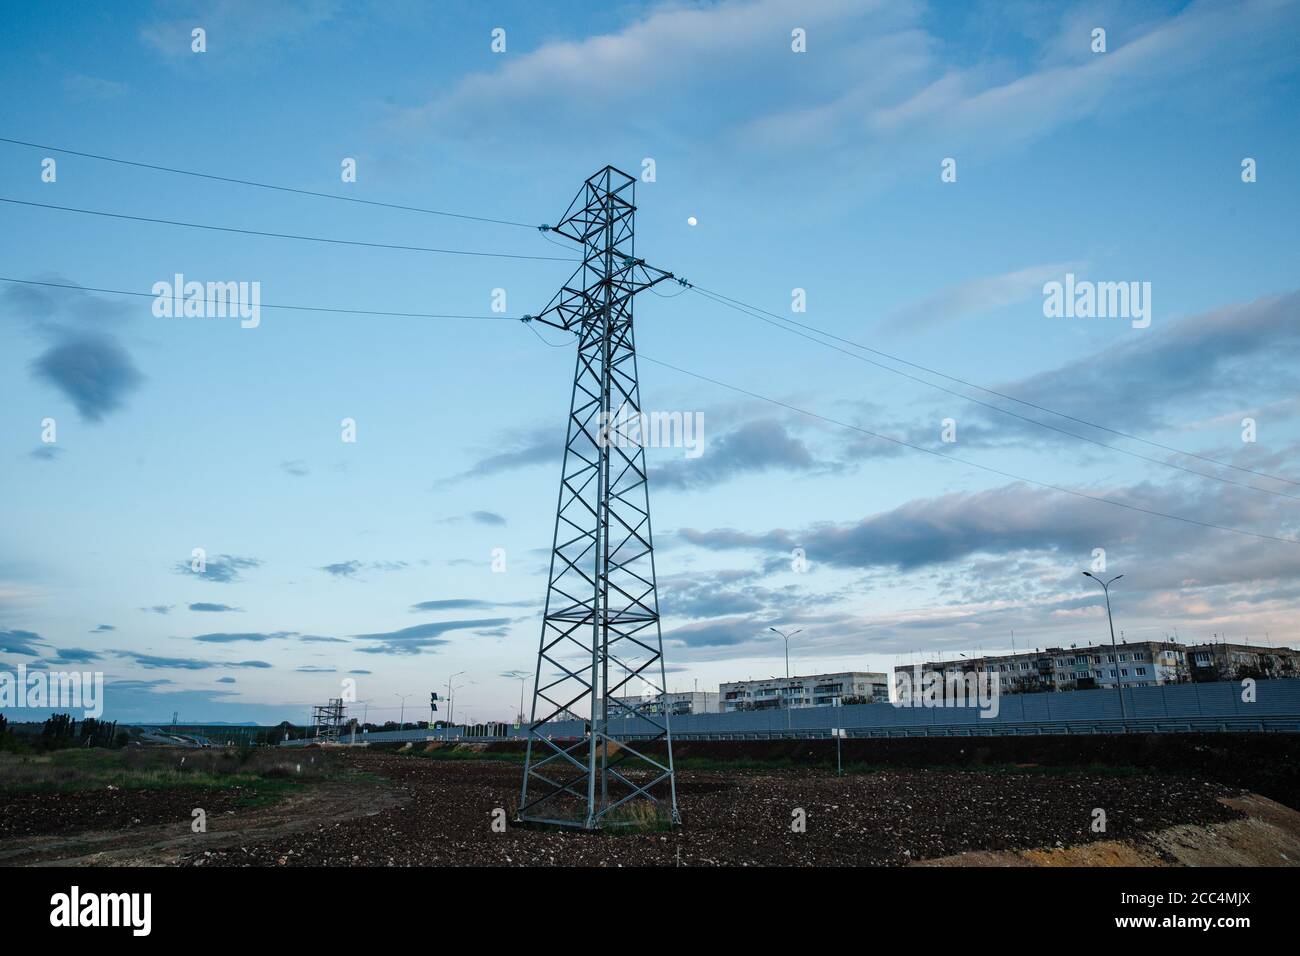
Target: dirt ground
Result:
[411, 810]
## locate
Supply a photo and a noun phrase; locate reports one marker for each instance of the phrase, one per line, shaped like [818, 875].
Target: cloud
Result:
[487, 517]
[56, 312]
[298, 468]
[81, 87]
[73, 655]
[1002, 520]
[752, 448]
[1218, 356]
[161, 608]
[226, 680]
[253, 637]
[413, 640]
[725, 593]
[723, 632]
[452, 604]
[921, 98]
[92, 371]
[674, 50]
[238, 32]
[222, 569]
[928, 104]
[154, 662]
[102, 628]
[313, 669]
[214, 608]
[350, 569]
[45, 452]
[20, 642]
[541, 446]
[978, 296]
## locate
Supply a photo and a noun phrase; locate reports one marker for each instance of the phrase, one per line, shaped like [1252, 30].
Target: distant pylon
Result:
[601, 601]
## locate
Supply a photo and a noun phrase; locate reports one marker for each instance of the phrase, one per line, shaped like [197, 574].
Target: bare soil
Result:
[415, 810]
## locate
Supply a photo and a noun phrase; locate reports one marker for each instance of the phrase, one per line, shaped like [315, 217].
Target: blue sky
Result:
[817, 170]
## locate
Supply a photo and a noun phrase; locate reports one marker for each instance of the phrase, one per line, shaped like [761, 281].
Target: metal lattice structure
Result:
[600, 630]
[327, 720]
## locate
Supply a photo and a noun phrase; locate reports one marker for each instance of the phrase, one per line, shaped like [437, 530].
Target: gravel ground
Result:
[47, 813]
[743, 817]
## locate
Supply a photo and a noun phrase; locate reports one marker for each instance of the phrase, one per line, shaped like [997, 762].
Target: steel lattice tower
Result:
[600, 630]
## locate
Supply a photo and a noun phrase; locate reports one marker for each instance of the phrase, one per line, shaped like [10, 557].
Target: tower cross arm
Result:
[575, 302]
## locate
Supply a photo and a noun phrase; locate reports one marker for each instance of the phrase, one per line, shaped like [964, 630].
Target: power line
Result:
[267, 305]
[1010, 398]
[249, 182]
[1024, 418]
[541, 338]
[965, 461]
[282, 235]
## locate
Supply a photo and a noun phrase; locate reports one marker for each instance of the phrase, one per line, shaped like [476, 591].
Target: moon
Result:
[691, 220]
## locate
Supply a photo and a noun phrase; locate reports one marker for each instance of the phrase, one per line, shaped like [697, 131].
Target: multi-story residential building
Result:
[816, 690]
[1132, 663]
[1208, 662]
[684, 702]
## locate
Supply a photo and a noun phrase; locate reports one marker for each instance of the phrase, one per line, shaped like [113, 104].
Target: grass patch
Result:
[454, 752]
[162, 768]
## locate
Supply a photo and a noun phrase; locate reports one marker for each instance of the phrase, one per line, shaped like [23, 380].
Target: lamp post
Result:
[787, 637]
[1119, 680]
[401, 721]
[522, 677]
[450, 707]
[451, 704]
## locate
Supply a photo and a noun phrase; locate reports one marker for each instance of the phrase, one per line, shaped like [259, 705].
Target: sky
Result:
[920, 171]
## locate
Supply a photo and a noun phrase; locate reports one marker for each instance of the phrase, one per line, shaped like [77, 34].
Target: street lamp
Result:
[450, 707]
[1119, 680]
[522, 677]
[401, 721]
[787, 637]
[787, 647]
[451, 704]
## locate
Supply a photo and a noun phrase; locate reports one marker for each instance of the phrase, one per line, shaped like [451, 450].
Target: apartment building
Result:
[684, 702]
[1225, 661]
[816, 690]
[1132, 663]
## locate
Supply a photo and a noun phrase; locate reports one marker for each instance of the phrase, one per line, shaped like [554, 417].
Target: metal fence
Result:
[1171, 708]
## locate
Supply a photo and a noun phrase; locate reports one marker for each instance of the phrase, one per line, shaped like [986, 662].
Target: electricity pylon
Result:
[601, 602]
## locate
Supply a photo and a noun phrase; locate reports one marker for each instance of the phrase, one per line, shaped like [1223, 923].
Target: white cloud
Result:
[980, 295]
[235, 27]
[722, 80]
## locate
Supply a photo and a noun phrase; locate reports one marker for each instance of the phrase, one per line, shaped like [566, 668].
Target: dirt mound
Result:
[1267, 835]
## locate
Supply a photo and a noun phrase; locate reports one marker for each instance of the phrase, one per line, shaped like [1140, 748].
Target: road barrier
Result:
[1225, 706]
